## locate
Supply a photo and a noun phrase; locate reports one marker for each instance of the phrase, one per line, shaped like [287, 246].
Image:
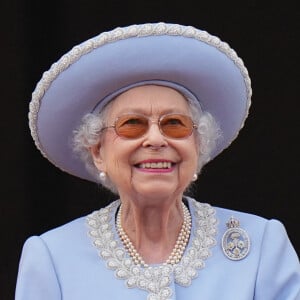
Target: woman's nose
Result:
[154, 137]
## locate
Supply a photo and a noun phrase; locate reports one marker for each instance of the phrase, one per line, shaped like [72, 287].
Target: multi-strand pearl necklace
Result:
[178, 249]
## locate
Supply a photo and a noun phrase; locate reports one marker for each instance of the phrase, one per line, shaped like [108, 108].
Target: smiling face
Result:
[152, 165]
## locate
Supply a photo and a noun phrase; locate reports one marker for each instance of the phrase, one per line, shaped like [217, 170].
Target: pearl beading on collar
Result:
[178, 250]
[156, 280]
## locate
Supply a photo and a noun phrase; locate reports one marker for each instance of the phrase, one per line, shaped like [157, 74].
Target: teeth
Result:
[158, 165]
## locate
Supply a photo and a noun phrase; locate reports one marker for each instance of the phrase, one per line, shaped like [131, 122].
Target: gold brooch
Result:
[235, 241]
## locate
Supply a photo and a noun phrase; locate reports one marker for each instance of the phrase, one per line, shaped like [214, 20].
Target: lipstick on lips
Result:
[156, 166]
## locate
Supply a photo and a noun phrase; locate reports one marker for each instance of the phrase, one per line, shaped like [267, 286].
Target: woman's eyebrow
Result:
[147, 112]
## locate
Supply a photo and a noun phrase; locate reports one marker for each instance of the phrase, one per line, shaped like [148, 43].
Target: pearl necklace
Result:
[178, 249]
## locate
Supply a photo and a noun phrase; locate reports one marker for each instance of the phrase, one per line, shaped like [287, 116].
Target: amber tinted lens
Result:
[176, 126]
[131, 126]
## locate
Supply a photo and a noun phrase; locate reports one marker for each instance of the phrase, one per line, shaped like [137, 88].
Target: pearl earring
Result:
[102, 176]
[195, 177]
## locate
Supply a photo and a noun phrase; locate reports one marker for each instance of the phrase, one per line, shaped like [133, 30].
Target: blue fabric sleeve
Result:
[37, 277]
[278, 275]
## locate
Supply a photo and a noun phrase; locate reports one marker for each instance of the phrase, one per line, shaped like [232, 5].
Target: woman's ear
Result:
[97, 157]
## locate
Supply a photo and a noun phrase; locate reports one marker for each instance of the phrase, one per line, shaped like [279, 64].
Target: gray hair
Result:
[88, 134]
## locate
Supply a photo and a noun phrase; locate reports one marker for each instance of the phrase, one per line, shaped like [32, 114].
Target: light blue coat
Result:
[64, 264]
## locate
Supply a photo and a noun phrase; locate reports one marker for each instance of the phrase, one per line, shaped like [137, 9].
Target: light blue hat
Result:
[95, 71]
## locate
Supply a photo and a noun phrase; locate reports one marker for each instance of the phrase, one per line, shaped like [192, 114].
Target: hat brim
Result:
[100, 67]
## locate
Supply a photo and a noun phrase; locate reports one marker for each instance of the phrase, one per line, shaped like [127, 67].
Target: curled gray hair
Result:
[88, 135]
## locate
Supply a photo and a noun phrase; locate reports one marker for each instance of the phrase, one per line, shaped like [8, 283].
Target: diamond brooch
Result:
[235, 241]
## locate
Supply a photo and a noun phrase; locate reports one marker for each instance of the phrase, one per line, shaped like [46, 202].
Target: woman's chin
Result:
[157, 189]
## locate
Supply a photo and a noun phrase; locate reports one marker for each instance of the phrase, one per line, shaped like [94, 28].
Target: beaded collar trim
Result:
[155, 280]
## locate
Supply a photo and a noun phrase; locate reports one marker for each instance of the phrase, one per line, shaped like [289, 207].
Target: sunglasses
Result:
[133, 126]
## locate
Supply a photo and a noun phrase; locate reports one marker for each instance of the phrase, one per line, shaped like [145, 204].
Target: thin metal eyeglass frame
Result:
[158, 121]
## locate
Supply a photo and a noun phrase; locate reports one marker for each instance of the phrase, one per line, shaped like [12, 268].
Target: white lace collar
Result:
[154, 279]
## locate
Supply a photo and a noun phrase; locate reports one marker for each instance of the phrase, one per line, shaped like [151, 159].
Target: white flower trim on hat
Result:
[117, 34]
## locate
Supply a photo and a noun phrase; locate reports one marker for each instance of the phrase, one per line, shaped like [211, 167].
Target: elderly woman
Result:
[145, 108]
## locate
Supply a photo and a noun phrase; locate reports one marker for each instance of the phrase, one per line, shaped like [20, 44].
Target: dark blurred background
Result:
[258, 174]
